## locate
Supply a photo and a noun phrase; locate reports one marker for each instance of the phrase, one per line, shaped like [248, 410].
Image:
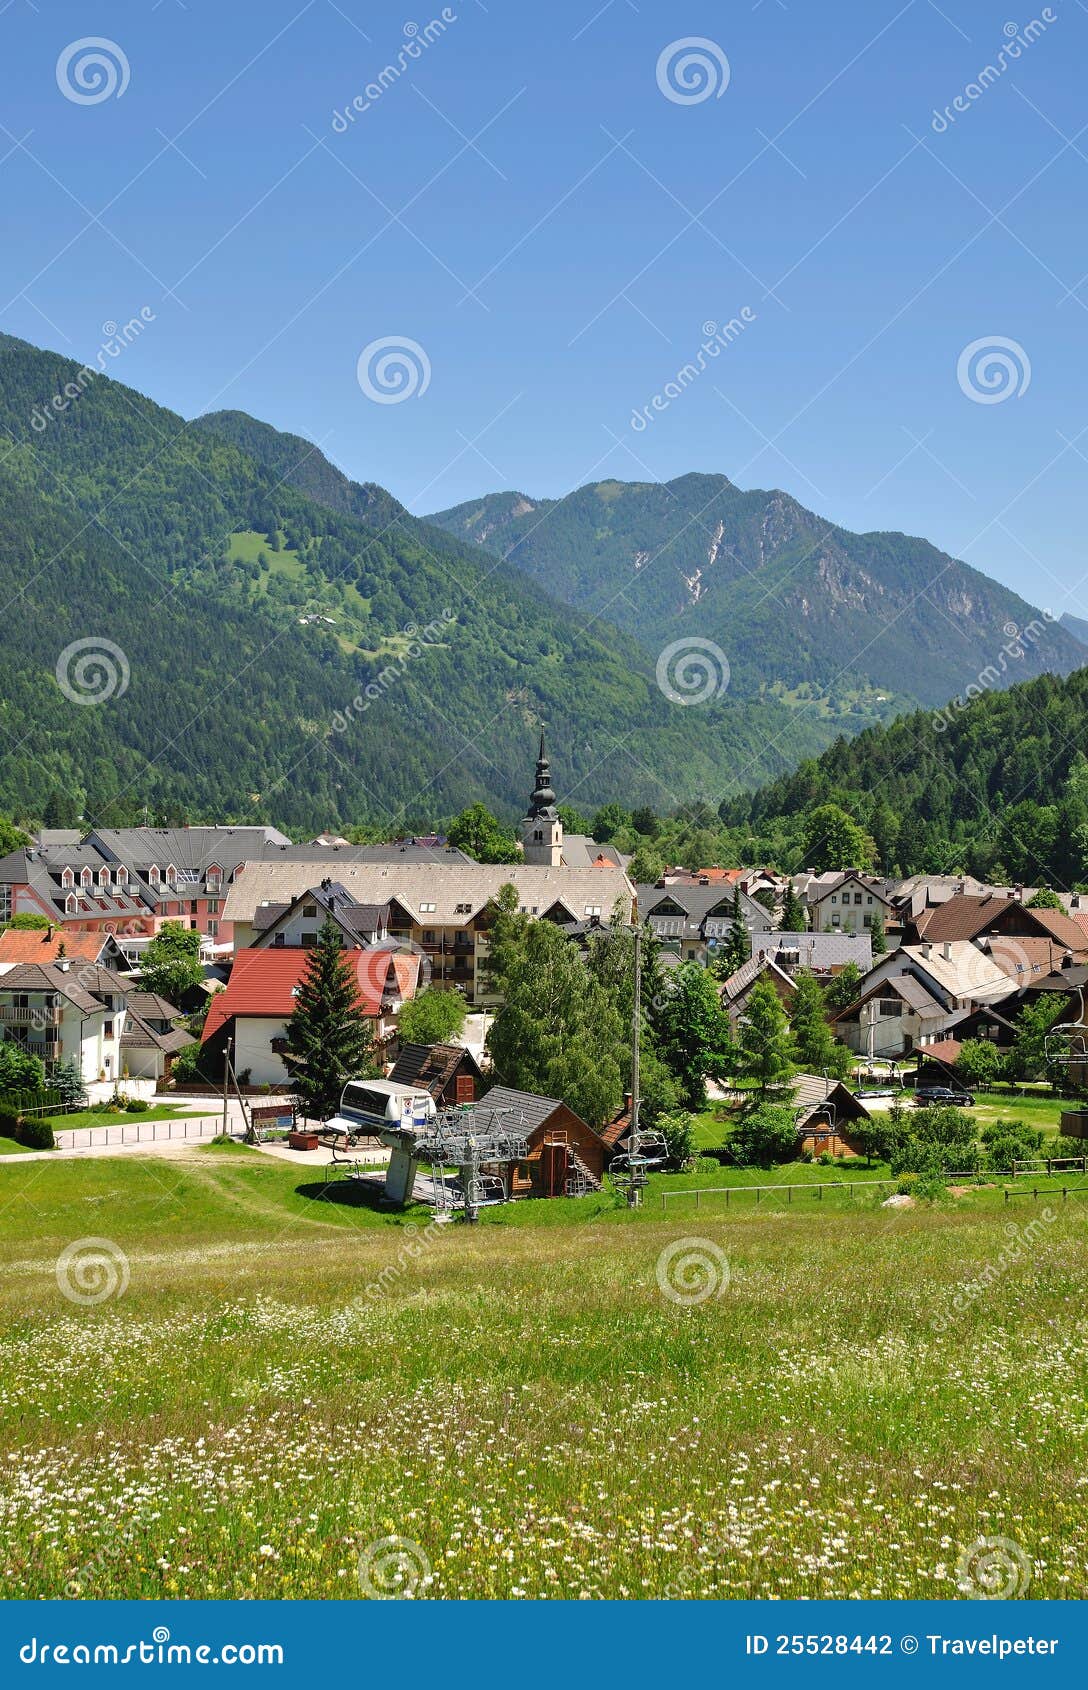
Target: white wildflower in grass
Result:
[809, 1435]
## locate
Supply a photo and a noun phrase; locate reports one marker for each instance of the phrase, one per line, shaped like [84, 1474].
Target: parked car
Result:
[944, 1094]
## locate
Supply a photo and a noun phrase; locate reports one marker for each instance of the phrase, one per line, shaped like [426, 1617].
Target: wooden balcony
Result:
[39, 1016]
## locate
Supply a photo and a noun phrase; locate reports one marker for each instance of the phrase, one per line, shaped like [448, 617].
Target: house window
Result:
[103, 877]
[834, 898]
[463, 909]
[67, 878]
[309, 911]
[857, 897]
[835, 921]
[122, 874]
[427, 909]
[171, 876]
[153, 874]
[71, 904]
[593, 909]
[213, 928]
[869, 898]
[278, 939]
[85, 877]
[107, 1030]
[213, 906]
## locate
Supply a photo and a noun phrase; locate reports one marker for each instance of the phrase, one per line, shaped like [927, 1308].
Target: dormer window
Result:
[215, 878]
[103, 877]
[67, 878]
[153, 874]
[121, 874]
[85, 877]
[171, 875]
[71, 904]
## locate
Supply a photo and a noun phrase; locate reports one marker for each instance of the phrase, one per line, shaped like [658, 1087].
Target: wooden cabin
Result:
[449, 1072]
[566, 1157]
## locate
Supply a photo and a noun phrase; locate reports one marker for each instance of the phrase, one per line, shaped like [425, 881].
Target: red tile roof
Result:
[265, 982]
[36, 945]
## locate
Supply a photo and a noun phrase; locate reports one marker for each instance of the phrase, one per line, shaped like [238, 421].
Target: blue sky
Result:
[526, 202]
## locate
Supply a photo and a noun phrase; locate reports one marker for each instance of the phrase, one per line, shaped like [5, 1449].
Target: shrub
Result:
[678, 1131]
[825, 1158]
[137, 1105]
[9, 1124]
[765, 1135]
[35, 1135]
[905, 1186]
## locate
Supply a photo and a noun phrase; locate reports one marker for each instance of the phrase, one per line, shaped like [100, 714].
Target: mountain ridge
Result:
[792, 598]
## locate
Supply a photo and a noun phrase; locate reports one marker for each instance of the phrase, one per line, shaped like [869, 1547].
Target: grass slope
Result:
[284, 1384]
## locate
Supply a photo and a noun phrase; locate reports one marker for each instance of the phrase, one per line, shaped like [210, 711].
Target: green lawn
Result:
[270, 1384]
[104, 1117]
[8, 1147]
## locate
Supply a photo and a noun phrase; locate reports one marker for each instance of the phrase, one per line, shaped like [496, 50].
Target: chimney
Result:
[1067, 959]
[63, 964]
[1018, 894]
[49, 932]
[946, 950]
[926, 948]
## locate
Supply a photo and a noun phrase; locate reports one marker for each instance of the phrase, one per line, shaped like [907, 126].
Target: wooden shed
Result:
[566, 1157]
[449, 1072]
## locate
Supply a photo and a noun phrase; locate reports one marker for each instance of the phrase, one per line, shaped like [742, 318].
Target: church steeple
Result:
[542, 830]
[542, 801]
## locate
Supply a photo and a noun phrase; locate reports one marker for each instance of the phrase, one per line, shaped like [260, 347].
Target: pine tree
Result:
[876, 932]
[328, 1038]
[766, 1050]
[793, 913]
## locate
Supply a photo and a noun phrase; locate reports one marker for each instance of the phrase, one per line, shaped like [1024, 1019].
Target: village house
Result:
[737, 989]
[298, 923]
[63, 1011]
[822, 954]
[259, 999]
[693, 919]
[440, 911]
[916, 996]
[827, 1116]
[847, 902]
[53, 944]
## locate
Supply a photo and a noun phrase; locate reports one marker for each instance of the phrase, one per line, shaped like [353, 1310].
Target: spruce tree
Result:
[766, 1051]
[876, 932]
[793, 913]
[328, 1037]
[818, 1051]
[738, 945]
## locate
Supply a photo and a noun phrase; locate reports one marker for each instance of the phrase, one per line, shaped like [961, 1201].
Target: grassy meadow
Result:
[254, 1390]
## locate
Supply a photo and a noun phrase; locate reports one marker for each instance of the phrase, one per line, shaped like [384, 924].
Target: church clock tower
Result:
[542, 830]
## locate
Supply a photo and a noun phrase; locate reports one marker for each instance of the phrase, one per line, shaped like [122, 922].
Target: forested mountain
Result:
[800, 606]
[998, 788]
[270, 657]
[1075, 625]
